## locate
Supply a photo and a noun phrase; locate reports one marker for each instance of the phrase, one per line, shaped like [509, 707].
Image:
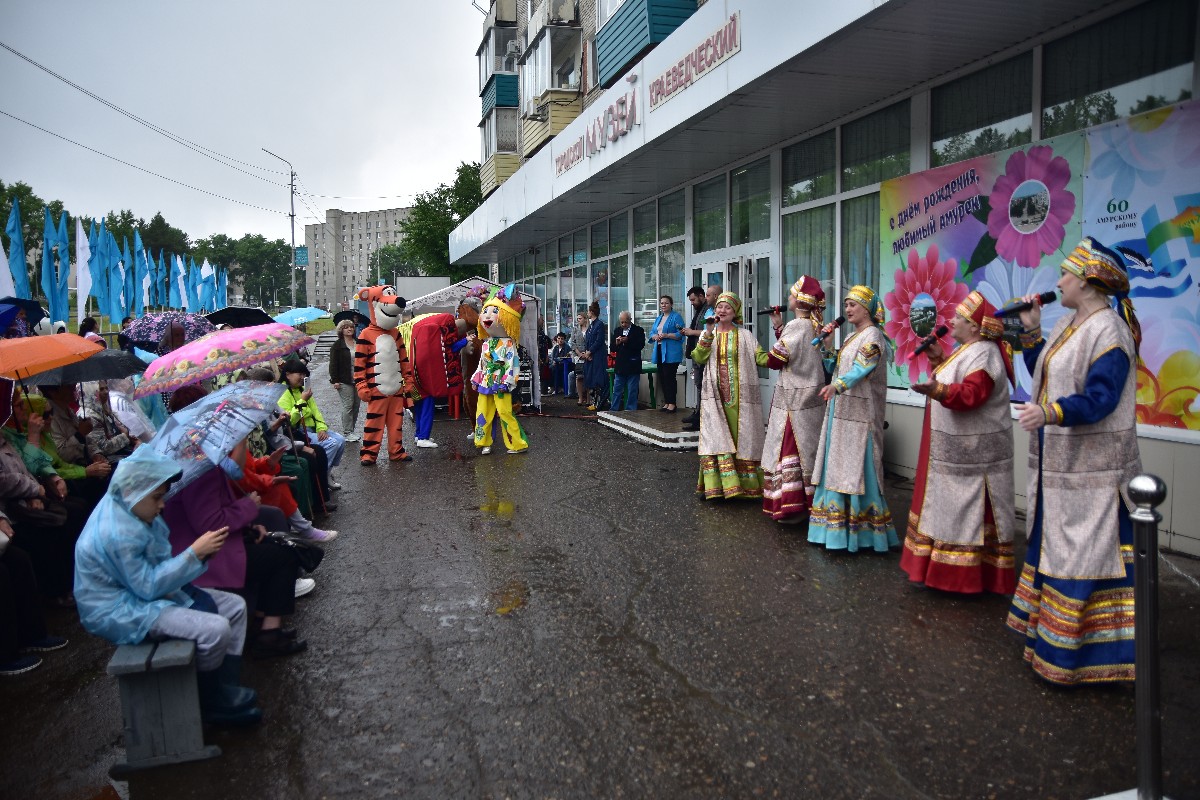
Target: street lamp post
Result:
[292, 215]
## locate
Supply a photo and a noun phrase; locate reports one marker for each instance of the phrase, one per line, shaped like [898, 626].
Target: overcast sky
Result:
[364, 98]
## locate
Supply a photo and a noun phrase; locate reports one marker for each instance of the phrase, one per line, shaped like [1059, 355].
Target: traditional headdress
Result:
[975, 308]
[512, 308]
[809, 292]
[865, 296]
[1106, 270]
[734, 301]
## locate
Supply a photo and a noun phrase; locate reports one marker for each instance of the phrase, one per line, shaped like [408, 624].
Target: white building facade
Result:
[765, 139]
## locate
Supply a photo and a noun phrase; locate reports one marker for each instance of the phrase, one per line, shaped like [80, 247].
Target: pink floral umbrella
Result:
[220, 353]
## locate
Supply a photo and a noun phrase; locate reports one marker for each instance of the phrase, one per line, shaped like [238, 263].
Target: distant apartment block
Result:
[339, 252]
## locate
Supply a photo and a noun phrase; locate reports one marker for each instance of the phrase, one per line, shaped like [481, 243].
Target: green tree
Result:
[122, 225]
[219, 249]
[434, 215]
[1078, 114]
[388, 260]
[158, 235]
[262, 268]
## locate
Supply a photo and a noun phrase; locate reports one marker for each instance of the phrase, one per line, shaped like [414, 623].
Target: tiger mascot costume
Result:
[383, 376]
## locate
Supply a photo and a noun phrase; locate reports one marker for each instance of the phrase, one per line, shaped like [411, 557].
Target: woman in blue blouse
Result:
[1074, 602]
[667, 340]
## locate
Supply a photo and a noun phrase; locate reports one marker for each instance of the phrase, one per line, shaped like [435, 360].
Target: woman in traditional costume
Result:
[797, 411]
[849, 510]
[1074, 598]
[731, 421]
[961, 522]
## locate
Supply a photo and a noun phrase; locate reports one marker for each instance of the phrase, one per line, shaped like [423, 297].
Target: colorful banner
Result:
[1003, 223]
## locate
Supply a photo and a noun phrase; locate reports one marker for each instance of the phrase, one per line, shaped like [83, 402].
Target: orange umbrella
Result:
[29, 355]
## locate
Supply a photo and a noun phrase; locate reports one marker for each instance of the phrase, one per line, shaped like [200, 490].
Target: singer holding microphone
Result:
[849, 510]
[962, 519]
[731, 421]
[1074, 599]
[797, 410]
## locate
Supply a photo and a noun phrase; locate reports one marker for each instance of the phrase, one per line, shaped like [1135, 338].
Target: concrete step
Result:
[652, 427]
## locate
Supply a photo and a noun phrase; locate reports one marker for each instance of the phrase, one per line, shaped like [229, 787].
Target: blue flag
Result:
[64, 260]
[191, 286]
[116, 280]
[16, 253]
[175, 300]
[207, 288]
[141, 274]
[97, 265]
[49, 270]
[223, 289]
[130, 269]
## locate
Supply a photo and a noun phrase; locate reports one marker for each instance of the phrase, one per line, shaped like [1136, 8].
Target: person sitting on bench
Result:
[128, 587]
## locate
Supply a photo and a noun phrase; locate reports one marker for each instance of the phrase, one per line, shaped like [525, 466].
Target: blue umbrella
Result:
[298, 316]
[200, 436]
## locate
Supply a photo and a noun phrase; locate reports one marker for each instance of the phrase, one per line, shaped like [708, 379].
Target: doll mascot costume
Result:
[383, 376]
[496, 377]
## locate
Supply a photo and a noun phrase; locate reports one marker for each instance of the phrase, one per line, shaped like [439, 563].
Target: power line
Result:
[220, 158]
[141, 169]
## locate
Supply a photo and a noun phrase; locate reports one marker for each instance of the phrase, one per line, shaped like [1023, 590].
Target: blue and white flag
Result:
[83, 272]
[141, 274]
[207, 290]
[17, 265]
[179, 284]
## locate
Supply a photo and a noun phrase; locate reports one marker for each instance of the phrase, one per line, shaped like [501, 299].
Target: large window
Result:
[644, 224]
[1130, 63]
[671, 215]
[498, 53]
[984, 112]
[750, 206]
[708, 223]
[618, 234]
[810, 169]
[620, 296]
[808, 246]
[645, 288]
[500, 132]
[600, 239]
[551, 62]
[876, 147]
[860, 242]
[604, 11]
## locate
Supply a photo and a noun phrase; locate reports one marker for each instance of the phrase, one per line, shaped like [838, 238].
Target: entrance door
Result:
[750, 278]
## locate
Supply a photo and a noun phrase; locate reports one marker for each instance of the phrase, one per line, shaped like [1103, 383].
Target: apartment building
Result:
[339, 252]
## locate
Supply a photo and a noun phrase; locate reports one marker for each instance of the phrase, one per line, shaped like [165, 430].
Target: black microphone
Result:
[1012, 309]
[828, 329]
[928, 341]
[772, 310]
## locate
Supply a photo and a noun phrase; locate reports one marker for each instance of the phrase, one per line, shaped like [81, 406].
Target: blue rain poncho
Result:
[124, 572]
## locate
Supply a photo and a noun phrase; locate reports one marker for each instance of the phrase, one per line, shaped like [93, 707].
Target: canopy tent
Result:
[448, 299]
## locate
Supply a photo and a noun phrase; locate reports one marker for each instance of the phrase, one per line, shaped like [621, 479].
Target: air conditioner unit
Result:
[514, 49]
[542, 112]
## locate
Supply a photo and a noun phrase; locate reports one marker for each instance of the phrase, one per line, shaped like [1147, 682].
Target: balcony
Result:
[502, 12]
[502, 90]
[636, 27]
[554, 110]
[496, 170]
[558, 13]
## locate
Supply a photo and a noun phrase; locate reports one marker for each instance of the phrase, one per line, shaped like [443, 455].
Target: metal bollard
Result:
[1147, 492]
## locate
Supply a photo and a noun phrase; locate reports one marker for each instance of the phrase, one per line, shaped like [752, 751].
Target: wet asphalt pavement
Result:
[574, 623]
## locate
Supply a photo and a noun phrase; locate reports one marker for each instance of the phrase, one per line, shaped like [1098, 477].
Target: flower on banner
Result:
[1030, 205]
[925, 297]
[1001, 283]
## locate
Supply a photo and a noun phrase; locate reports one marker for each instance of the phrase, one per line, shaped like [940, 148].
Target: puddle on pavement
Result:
[498, 507]
[510, 597]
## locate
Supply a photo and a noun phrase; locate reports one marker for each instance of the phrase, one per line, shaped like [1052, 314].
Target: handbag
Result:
[307, 553]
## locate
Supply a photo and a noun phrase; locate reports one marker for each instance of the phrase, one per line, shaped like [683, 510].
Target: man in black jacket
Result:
[702, 306]
[627, 342]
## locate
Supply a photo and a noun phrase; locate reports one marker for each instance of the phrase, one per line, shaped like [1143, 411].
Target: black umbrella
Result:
[357, 317]
[239, 316]
[103, 366]
[34, 313]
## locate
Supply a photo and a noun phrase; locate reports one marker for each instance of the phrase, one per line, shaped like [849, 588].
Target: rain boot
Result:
[230, 675]
[215, 708]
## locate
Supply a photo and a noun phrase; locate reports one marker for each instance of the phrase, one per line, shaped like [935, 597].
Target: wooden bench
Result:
[159, 704]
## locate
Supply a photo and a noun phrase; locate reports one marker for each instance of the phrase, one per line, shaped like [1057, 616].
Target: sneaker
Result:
[485, 451]
[20, 665]
[318, 535]
[512, 452]
[353, 437]
[45, 645]
[471, 436]
[426, 443]
[333, 484]
[305, 586]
